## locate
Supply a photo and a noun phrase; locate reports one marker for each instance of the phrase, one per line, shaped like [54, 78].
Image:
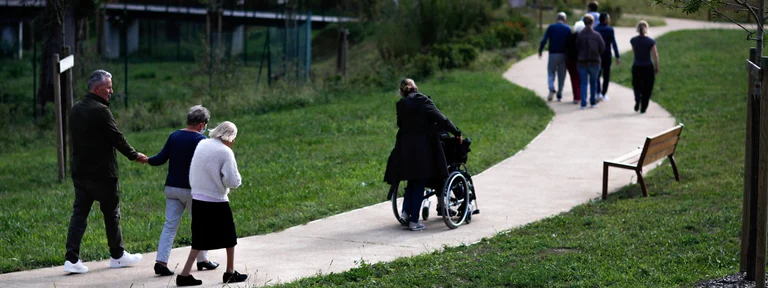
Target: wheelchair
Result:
[456, 198]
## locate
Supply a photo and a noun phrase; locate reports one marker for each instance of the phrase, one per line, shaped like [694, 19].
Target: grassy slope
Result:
[298, 165]
[685, 232]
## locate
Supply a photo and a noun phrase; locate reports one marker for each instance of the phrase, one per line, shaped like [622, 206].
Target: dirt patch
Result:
[730, 281]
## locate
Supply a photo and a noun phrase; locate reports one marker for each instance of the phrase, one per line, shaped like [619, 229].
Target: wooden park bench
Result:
[655, 148]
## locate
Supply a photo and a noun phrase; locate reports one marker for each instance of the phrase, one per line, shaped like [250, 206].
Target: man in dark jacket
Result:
[94, 172]
[609, 37]
[590, 46]
[418, 155]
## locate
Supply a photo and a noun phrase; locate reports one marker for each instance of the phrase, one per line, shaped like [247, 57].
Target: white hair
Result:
[226, 131]
[98, 77]
[578, 26]
[561, 16]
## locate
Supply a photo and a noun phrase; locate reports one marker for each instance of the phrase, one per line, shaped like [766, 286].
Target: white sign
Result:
[66, 63]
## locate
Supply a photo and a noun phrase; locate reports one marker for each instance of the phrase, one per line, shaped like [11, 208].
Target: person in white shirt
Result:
[212, 173]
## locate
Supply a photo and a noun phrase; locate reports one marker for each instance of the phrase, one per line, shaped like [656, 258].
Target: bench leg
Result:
[605, 180]
[674, 167]
[642, 182]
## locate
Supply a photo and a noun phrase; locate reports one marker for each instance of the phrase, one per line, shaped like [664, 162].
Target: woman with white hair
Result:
[572, 61]
[212, 173]
[178, 151]
[643, 69]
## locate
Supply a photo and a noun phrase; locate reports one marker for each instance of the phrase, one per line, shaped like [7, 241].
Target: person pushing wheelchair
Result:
[418, 155]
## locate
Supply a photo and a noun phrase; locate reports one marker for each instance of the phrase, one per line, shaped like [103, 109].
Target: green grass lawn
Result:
[631, 21]
[298, 165]
[684, 233]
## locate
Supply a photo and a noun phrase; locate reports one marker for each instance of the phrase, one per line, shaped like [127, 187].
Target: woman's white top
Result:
[213, 171]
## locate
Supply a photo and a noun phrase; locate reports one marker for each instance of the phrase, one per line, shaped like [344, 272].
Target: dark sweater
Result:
[591, 47]
[94, 139]
[179, 149]
[609, 38]
[556, 34]
[571, 51]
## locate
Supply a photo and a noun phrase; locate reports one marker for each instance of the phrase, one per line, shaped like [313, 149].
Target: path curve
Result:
[560, 169]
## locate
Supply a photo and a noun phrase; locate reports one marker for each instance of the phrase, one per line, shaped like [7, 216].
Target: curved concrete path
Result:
[560, 169]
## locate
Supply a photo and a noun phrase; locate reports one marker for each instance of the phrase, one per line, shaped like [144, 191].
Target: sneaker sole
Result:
[75, 272]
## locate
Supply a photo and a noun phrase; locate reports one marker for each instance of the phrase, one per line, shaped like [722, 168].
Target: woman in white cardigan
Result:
[212, 173]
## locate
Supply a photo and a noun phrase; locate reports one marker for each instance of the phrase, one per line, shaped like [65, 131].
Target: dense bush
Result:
[614, 11]
[422, 66]
[451, 56]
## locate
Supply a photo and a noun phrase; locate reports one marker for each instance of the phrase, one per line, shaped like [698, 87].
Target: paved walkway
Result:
[560, 169]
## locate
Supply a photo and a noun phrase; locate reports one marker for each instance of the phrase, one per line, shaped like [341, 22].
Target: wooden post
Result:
[218, 44]
[208, 36]
[744, 263]
[762, 185]
[70, 101]
[343, 46]
[59, 121]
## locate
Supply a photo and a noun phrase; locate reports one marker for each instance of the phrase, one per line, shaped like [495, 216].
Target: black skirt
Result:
[212, 226]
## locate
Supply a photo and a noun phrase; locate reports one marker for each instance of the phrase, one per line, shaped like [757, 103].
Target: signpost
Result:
[61, 66]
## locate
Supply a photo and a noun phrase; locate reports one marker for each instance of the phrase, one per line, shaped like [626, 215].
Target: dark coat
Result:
[591, 47]
[94, 139]
[418, 153]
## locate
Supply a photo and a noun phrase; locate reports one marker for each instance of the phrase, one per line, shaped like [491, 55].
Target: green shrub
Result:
[422, 66]
[452, 56]
[509, 34]
[614, 11]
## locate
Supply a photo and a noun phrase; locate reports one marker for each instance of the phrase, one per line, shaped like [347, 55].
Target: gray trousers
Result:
[556, 65]
[176, 201]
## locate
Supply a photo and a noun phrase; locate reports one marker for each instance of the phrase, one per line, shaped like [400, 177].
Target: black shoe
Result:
[187, 281]
[162, 270]
[210, 265]
[637, 106]
[234, 277]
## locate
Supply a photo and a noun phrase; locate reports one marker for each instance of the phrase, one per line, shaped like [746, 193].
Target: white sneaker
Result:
[78, 268]
[605, 98]
[126, 260]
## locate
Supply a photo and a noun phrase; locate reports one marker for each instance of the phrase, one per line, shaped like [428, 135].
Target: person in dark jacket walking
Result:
[572, 60]
[591, 47]
[556, 34]
[418, 155]
[609, 37]
[95, 137]
[643, 70]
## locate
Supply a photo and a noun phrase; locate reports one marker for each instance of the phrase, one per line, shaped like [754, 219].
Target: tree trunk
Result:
[53, 37]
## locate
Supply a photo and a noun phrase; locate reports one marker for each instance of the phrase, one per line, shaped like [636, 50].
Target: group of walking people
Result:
[200, 175]
[586, 52]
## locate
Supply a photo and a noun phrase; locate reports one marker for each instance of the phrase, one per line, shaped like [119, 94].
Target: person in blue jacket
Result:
[178, 151]
[606, 31]
[592, 10]
[556, 34]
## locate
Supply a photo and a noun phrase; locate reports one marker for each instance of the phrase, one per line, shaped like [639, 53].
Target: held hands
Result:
[143, 159]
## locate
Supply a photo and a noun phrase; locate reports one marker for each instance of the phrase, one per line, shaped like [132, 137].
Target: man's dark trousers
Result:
[104, 190]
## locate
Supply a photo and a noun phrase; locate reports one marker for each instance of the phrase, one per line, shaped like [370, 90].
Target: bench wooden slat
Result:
[674, 131]
[655, 148]
[629, 157]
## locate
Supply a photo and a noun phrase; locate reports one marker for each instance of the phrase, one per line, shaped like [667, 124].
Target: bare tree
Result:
[52, 25]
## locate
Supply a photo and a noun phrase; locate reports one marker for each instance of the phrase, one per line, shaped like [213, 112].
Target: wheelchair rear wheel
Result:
[454, 200]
